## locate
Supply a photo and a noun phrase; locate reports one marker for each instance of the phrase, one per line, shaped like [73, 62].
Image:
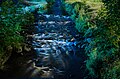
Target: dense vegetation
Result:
[97, 21]
[102, 37]
[12, 20]
[50, 5]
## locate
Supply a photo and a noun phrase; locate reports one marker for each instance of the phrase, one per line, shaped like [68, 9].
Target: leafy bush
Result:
[50, 5]
[102, 38]
[113, 71]
[106, 42]
[12, 19]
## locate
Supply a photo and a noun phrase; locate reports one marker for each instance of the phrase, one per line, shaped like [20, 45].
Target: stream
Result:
[56, 44]
[56, 48]
[55, 41]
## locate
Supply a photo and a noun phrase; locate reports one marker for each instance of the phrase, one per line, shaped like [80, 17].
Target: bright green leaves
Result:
[81, 23]
[17, 27]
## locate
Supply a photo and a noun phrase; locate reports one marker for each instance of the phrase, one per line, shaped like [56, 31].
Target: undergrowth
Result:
[11, 23]
[102, 36]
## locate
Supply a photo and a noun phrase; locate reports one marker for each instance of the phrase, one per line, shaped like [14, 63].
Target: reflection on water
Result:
[57, 7]
[58, 55]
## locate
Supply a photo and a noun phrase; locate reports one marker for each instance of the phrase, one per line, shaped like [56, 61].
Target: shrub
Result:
[50, 5]
[12, 19]
[102, 37]
[106, 40]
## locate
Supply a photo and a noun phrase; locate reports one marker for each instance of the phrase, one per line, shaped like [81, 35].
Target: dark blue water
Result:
[57, 7]
[74, 62]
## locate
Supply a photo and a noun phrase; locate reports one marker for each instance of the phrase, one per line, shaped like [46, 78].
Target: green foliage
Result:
[102, 34]
[106, 40]
[79, 13]
[12, 19]
[42, 9]
[113, 72]
[76, 8]
[50, 5]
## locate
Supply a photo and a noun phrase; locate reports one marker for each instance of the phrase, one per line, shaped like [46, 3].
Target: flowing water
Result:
[55, 41]
[57, 7]
[57, 47]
